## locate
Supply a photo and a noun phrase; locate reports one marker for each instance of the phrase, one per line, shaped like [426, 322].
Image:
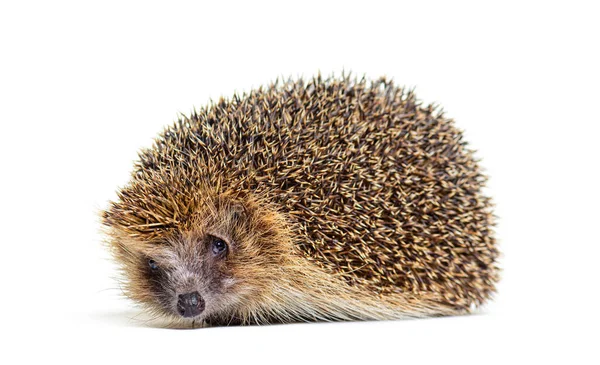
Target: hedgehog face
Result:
[187, 275]
[213, 268]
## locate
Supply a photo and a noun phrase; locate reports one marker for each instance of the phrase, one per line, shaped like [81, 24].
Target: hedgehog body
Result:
[332, 199]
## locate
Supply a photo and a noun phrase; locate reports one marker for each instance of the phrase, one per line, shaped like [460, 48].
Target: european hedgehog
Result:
[322, 200]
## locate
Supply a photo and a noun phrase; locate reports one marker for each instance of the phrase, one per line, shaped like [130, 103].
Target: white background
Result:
[83, 86]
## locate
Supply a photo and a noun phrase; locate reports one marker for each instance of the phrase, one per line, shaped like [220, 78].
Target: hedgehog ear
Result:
[238, 210]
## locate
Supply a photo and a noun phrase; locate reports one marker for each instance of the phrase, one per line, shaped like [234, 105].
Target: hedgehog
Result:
[326, 199]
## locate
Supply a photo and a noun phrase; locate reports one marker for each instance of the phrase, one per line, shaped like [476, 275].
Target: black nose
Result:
[190, 304]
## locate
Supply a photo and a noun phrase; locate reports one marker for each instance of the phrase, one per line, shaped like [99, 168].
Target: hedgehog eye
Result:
[153, 265]
[219, 246]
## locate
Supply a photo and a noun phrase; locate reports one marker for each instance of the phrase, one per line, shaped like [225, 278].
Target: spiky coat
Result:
[372, 202]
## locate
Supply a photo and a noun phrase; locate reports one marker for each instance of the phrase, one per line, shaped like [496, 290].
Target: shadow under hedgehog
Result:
[322, 200]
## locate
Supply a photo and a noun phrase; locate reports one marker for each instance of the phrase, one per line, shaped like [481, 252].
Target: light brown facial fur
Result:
[337, 199]
[227, 281]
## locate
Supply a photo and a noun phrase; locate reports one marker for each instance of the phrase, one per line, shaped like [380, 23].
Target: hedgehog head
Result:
[214, 265]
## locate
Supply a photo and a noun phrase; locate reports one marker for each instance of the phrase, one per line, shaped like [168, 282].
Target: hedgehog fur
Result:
[327, 199]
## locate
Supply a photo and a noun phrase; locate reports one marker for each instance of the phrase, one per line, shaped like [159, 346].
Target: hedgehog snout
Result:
[190, 304]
